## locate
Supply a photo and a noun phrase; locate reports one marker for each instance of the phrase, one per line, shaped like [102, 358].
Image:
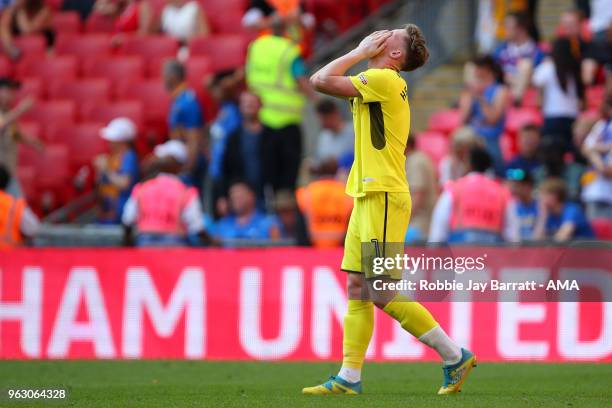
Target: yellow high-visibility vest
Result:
[268, 74]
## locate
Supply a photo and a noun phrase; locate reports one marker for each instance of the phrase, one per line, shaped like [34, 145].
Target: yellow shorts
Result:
[377, 227]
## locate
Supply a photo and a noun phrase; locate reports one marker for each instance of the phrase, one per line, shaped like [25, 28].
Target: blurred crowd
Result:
[557, 183]
[241, 176]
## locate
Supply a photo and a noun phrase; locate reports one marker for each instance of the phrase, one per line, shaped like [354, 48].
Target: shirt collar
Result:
[179, 90]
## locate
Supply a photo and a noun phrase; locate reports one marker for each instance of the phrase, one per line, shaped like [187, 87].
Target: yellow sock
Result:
[413, 316]
[358, 327]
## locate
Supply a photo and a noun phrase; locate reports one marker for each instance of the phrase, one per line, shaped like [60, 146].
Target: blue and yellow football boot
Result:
[455, 375]
[335, 385]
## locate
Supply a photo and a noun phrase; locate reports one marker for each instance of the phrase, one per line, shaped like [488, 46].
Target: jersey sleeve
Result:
[373, 84]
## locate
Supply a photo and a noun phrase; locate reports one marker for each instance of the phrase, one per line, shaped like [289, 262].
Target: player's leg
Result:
[412, 316]
[358, 321]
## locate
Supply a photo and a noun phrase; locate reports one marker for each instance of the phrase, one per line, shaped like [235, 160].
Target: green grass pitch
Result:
[237, 384]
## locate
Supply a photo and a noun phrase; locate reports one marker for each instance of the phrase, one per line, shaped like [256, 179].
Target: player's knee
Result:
[380, 304]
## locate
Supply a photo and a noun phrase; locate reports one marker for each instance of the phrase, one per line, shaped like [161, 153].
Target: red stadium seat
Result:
[87, 94]
[83, 46]
[595, 96]
[50, 186]
[52, 168]
[30, 129]
[156, 102]
[49, 69]
[602, 228]
[27, 179]
[109, 111]
[519, 117]
[231, 46]
[225, 16]
[31, 46]
[6, 66]
[118, 70]
[32, 87]
[97, 23]
[445, 121]
[53, 112]
[83, 141]
[155, 67]
[198, 68]
[435, 144]
[154, 97]
[66, 22]
[151, 47]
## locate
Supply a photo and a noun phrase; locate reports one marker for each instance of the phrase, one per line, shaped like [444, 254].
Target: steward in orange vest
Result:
[326, 207]
[16, 220]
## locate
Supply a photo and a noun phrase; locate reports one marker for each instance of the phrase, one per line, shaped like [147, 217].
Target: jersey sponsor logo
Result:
[363, 79]
[404, 93]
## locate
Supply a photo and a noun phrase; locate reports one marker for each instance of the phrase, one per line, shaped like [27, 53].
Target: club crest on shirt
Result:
[363, 79]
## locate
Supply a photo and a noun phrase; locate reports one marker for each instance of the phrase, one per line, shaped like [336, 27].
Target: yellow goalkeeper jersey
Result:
[381, 116]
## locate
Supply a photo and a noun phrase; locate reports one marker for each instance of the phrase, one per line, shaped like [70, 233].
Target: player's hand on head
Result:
[374, 43]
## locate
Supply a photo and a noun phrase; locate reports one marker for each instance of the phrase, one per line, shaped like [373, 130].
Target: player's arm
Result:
[331, 79]
[495, 110]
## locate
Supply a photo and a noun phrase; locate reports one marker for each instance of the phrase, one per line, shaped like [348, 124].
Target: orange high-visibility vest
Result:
[11, 211]
[327, 209]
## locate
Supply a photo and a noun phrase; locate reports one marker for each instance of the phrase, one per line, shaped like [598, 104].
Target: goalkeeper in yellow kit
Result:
[378, 223]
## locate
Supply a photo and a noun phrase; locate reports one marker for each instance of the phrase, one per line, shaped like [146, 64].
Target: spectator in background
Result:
[556, 164]
[582, 127]
[10, 134]
[597, 148]
[17, 221]
[421, 177]
[291, 220]
[245, 222]
[165, 211]
[325, 206]
[337, 137]
[184, 19]
[185, 120]
[242, 158]
[130, 16]
[528, 144]
[559, 219]
[490, 23]
[457, 162]
[483, 106]
[225, 88]
[560, 82]
[600, 49]
[118, 172]
[275, 71]
[25, 17]
[518, 54]
[520, 182]
[475, 208]
[261, 15]
[570, 27]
